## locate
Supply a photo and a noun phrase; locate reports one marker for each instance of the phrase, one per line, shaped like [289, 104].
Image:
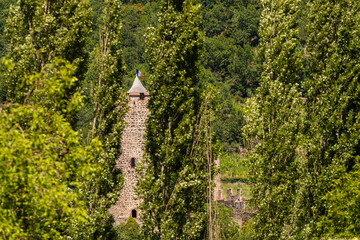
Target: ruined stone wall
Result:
[217, 192]
[132, 151]
[132, 144]
[240, 212]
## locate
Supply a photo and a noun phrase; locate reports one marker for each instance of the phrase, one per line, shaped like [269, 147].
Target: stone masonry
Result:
[239, 206]
[132, 151]
[241, 214]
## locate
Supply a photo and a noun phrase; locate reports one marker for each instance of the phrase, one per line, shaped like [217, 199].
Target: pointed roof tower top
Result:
[137, 87]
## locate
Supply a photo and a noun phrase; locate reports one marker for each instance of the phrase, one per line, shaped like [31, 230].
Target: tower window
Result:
[142, 96]
[133, 213]
[132, 162]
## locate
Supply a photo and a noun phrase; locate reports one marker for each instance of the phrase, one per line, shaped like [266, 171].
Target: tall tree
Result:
[4, 9]
[40, 31]
[273, 121]
[44, 167]
[176, 167]
[331, 189]
[108, 123]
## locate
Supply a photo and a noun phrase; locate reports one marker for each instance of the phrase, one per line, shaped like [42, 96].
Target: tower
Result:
[132, 144]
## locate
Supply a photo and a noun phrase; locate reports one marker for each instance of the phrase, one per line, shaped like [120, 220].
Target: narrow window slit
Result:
[133, 213]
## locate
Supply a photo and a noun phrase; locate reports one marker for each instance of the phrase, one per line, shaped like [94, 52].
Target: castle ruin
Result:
[132, 151]
[234, 201]
[241, 214]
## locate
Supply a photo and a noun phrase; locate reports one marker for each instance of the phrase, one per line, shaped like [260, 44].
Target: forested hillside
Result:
[66, 68]
[271, 87]
[228, 60]
[4, 8]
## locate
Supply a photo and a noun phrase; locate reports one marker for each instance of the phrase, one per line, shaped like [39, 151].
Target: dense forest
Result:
[269, 87]
[228, 59]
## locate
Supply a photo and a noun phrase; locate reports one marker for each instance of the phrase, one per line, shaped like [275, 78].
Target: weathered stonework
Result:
[217, 193]
[241, 213]
[131, 152]
[239, 206]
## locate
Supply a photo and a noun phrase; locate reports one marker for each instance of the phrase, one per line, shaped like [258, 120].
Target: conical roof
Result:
[137, 86]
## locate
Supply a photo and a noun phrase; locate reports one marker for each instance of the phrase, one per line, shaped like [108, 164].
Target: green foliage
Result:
[86, 113]
[231, 37]
[38, 32]
[306, 182]
[136, 18]
[49, 88]
[229, 58]
[332, 128]
[128, 231]
[45, 168]
[5, 66]
[342, 217]
[237, 24]
[4, 8]
[234, 171]
[178, 149]
[110, 100]
[108, 123]
[226, 227]
[234, 166]
[247, 231]
[273, 121]
[230, 119]
[97, 7]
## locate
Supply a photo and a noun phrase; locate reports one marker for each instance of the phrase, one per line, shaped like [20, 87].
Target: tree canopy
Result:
[45, 168]
[178, 157]
[306, 150]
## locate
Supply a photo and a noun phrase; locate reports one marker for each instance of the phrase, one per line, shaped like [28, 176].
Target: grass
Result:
[245, 189]
[234, 166]
[234, 171]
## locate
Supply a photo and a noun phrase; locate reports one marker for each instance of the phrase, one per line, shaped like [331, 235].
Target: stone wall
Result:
[217, 192]
[132, 144]
[240, 212]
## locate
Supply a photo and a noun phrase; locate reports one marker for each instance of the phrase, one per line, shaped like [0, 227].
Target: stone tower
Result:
[131, 152]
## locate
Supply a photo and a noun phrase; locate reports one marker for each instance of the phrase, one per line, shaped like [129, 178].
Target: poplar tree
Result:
[178, 153]
[38, 32]
[45, 169]
[331, 191]
[108, 123]
[273, 121]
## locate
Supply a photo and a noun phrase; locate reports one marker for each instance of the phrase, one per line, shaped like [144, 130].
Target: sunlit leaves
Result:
[326, 151]
[108, 123]
[178, 150]
[38, 32]
[44, 167]
[332, 126]
[273, 121]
